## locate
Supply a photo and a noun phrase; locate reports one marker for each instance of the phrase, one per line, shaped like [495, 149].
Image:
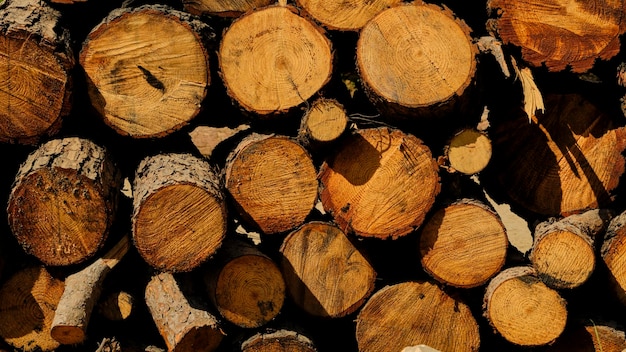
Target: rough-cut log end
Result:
[345, 16]
[469, 151]
[590, 336]
[179, 217]
[324, 122]
[325, 274]
[228, 8]
[370, 184]
[614, 255]
[412, 313]
[151, 83]
[272, 60]
[278, 341]
[273, 181]
[523, 309]
[464, 244]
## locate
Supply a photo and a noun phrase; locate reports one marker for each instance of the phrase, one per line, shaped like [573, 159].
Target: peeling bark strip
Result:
[152, 83]
[278, 341]
[63, 201]
[179, 215]
[345, 15]
[35, 65]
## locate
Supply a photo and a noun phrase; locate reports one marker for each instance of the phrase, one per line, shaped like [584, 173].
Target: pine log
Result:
[63, 201]
[412, 313]
[522, 309]
[116, 306]
[369, 184]
[563, 252]
[416, 58]
[179, 212]
[613, 254]
[278, 341]
[468, 151]
[569, 160]
[345, 16]
[324, 122]
[147, 69]
[273, 182]
[590, 337]
[184, 327]
[464, 244]
[35, 78]
[245, 285]
[326, 275]
[81, 292]
[28, 300]
[272, 59]
[560, 33]
[224, 8]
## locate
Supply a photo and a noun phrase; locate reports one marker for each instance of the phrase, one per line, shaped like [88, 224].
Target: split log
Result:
[116, 306]
[273, 182]
[278, 341]
[369, 184]
[272, 59]
[522, 309]
[345, 16]
[35, 78]
[590, 337]
[179, 212]
[563, 252]
[463, 244]
[416, 58]
[150, 83]
[224, 8]
[245, 285]
[412, 313]
[326, 274]
[28, 300]
[63, 201]
[560, 33]
[469, 151]
[82, 291]
[183, 327]
[324, 122]
[613, 254]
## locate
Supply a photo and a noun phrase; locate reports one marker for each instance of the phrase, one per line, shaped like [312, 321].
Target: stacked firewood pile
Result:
[377, 175]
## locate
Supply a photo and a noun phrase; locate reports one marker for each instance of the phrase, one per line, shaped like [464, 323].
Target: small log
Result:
[179, 212]
[82, 291]
[183, 327]
[278, 341]
[464, 244]
[28, 300]
[590, 337]
[272, 59]
[369, 183]
[151, 83]
[326, 275]
[273, 182]
[224, 8]
[563, 252]
[35, 71]
[522, 309]
[324, 122]
[411, 313]
[345, 16]
[245, 285]
[469, 151]
[116, 306]
[63, 201]
[612, 253]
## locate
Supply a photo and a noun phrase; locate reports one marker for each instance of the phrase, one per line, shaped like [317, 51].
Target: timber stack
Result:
[299, 175]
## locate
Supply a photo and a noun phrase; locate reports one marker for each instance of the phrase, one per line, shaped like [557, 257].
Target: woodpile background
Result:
[312, 175]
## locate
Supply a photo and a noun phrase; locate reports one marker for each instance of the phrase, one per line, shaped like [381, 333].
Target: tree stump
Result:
[613, 254]
[278, 341]
[35, 64]
[523, 309]
[324, 122]
[273, 182]
[412, 313]
[469, 151]
[223, 8]
[345, 16]
[63, 201]
[147, 69]
[272, 59]
[179, 212]
[325, 273]
[369, 183]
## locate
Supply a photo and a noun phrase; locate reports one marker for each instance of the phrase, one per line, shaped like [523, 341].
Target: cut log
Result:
[150, 83]
[63, 201]
[323, 123]
[523, 309]
[326, 274]
[567, 162]
[369, 183]
[28, 300]
[563, 252]
[116, 306]
[469, 151]
[278, 341]
[224, 8]
[35, 64]
[184, 328]
[345, 16]
[272, 181]
[82, 291]
[179, 212]
[463, 244]
[560, 33]
[416, 58]
[412, 313]
[245, 285]
[207, 138]
[590, 337]
[272, 59]
[613, 254]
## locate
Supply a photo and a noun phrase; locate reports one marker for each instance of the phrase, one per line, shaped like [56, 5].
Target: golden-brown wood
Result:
[469, 151]
[345, 15]
[590, 337]
[325, 121]
[278, 341]
[613, 254]
[224, 8]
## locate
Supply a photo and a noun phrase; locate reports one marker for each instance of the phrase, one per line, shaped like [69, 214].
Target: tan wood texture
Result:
[590, 336]
[613, 253]
[469, 151]
[345, 15]
[224, 8]
[278, 341]
[325, 121]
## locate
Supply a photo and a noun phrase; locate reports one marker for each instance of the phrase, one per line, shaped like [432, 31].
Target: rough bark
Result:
[278, 341]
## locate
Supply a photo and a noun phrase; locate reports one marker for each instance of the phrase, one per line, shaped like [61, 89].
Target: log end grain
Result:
[345, 16]
[590, 336]
[230, 8]
[469, 151]
[613, 254]
[324, 122]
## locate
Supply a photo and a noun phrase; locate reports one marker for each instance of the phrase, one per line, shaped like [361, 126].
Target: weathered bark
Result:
[324, 122]
[224, 8]
[469, 151]
[63, 201]
[278, 341]
[345, 16]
